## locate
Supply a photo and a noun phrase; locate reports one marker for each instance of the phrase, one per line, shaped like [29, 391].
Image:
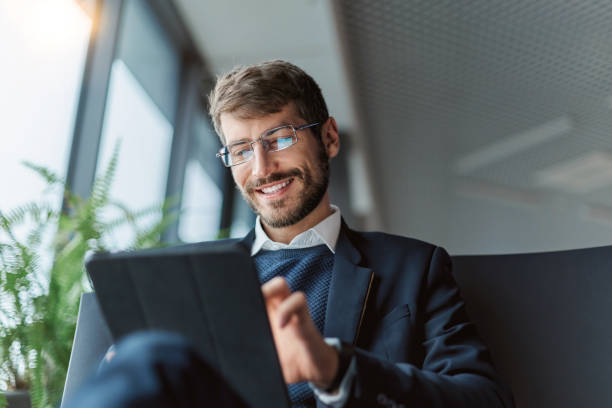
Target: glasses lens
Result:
[239, 152]
[279, 139]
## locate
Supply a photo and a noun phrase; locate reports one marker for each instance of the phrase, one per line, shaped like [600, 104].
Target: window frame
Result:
[195, 80]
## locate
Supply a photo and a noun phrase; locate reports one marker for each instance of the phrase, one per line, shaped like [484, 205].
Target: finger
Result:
[276, 287]
[294, 305]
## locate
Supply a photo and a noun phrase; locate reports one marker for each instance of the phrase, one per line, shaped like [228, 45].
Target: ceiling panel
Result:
[441, 80]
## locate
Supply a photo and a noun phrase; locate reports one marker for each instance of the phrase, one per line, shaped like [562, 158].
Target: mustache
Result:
[252, 185]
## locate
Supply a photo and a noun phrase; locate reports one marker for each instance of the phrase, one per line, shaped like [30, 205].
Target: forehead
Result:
[236, 128]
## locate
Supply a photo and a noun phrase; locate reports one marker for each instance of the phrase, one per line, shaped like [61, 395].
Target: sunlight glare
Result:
[47, 25]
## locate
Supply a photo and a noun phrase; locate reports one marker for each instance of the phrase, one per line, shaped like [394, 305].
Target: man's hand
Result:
[303, 354]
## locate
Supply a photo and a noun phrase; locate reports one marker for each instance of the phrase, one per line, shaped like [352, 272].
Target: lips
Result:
[276, 189]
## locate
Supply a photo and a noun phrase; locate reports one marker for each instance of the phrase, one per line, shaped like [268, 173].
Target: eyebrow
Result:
[246, 140]
[282, 124]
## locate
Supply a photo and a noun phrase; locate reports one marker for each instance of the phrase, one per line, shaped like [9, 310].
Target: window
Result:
[203, 188]
[41, 72]
[143, 135]
[140, 113]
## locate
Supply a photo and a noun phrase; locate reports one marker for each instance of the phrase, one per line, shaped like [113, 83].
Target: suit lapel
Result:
[247, 241]
[348, 292]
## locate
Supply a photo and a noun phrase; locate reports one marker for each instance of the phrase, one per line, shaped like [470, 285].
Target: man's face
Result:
[285, 186]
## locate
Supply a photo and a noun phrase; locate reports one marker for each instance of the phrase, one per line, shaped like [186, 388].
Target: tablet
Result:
[208, 293]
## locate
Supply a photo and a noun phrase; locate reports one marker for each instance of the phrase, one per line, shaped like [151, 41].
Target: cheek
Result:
[240, 178]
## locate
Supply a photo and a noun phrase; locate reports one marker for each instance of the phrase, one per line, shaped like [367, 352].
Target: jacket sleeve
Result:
[456, 370]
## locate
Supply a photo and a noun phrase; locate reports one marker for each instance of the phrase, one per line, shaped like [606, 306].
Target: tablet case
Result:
[211, 296]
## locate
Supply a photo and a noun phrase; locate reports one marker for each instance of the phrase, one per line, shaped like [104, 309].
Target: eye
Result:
[243, 154]
[283, 142]
[240, 152]
[279, 139]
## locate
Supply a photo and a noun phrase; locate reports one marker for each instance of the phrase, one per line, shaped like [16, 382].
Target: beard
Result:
[315, 185]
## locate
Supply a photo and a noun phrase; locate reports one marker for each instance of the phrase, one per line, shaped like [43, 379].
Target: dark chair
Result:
[91, 341]
[547, 318]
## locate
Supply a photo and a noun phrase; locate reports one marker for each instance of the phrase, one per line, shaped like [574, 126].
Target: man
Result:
[358, 319]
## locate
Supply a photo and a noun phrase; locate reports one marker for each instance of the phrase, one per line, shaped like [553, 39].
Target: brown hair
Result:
[261, 89]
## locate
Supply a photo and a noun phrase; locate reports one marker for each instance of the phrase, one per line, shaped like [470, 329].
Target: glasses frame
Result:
[224, 151]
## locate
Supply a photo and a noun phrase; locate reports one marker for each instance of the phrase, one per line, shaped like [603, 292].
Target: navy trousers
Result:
[155, 370]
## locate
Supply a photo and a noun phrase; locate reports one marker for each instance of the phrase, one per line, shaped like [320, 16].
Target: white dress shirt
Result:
[326, 232]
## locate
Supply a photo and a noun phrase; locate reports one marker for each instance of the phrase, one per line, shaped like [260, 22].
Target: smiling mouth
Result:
[274, 189]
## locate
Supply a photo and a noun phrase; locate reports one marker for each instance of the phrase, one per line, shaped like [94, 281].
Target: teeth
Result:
[273, 189]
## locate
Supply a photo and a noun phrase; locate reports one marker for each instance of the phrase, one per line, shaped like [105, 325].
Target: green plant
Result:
[39, 300]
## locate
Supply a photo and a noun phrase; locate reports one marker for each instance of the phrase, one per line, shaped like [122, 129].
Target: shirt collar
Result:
[326, 232]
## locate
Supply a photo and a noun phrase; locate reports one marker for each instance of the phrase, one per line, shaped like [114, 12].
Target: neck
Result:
[286, 234]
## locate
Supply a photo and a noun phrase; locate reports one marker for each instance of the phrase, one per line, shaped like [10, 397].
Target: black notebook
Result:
[209, 295]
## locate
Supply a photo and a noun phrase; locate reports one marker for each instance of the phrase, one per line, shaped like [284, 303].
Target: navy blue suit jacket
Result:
[395, 300]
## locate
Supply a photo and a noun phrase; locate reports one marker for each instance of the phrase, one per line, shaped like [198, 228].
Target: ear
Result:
[330, 137]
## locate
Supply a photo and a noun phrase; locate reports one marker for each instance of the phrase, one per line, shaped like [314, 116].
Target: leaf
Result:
[50, 177]
[16, 216]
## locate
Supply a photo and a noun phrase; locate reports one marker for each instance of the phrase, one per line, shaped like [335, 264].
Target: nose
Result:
[260, 162]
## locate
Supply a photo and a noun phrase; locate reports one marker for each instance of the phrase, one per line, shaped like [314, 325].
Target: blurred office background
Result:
[483, 126]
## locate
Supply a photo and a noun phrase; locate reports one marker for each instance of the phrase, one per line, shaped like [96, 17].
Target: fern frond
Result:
[40, 307]
[50, 177]
[150, 237]
[18, 215]
[102, 185]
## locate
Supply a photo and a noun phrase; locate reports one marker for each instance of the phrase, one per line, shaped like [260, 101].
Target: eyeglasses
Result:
[272, 140]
